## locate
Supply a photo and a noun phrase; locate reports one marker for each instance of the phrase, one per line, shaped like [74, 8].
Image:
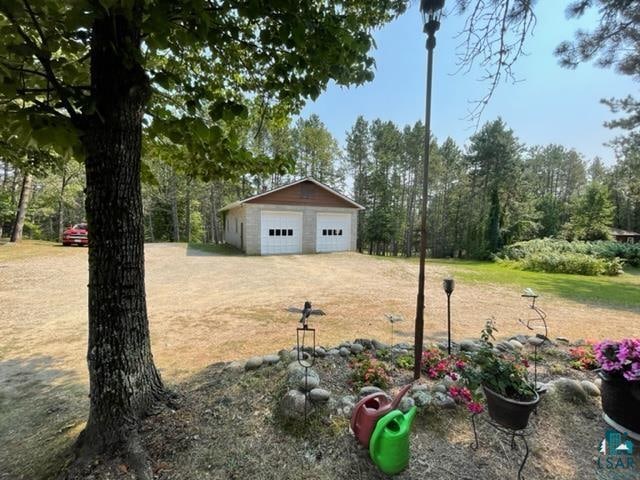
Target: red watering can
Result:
[369, 410]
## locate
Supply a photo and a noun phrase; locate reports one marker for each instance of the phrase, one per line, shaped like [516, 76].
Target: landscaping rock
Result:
[344, 351]
[580, 342]
[448, 381]
[562, 340]
[368, 390]
[308, 382]
[535, 341]
[253, 363]
[520, 338]
[284, 355]
[419, 387]
[406, 404]
[333, 351]
[399, 351]
[404, 346]
[356, 348]
[321, 352]
[292, 405]
[443, 401]
[591, 388]
[379, 345]
[235, 366]
[365, 343]
[516, 344]
[296, 378]
[444, 346]
[294, 367]
[469, 346]
[271, 359]
[505, 347]
[440, 388]
[345, 345]
[422, 398]
[598, 383]
[348, 400]
[569, 390]
[319, 395]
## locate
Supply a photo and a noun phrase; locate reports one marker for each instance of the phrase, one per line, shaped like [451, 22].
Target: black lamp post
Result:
[448, 285]
[431, 11]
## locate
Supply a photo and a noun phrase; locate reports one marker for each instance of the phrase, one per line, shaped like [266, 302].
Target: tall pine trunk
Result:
[175, 220]
[25, 193]
[124, 382]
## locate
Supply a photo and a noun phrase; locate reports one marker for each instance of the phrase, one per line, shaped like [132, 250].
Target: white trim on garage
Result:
[280, 232]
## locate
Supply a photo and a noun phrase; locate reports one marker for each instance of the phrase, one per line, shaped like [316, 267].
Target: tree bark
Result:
[25, 193]
[175, 231]
[63, 187]
[124, 382]
[188, 211]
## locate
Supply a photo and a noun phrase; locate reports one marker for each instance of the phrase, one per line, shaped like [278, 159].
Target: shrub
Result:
[405, 361]
[575, 263]
[368, 371]
[614, 253]
[583, 358]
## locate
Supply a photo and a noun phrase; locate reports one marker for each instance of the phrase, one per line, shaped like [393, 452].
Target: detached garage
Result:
[305, 216]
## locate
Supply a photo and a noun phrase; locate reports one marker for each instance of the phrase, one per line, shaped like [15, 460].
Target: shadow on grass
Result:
[212, 249]
[42, 409]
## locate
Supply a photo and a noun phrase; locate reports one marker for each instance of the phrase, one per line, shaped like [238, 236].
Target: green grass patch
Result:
[215, 248]
[617, 292]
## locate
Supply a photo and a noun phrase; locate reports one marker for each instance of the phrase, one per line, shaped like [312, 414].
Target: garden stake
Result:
[304, 358]
[542, 315]
[448, 284]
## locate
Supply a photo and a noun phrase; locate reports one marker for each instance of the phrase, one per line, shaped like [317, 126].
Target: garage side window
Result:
[331, 232]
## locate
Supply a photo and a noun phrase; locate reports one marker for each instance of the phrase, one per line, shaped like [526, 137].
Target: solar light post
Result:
[431, 12]
[448, 284]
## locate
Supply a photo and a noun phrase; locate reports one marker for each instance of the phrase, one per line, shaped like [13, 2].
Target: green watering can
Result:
[389, 444]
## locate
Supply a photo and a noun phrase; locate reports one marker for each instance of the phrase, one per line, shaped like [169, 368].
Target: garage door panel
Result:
[281, 232]
[333, 232]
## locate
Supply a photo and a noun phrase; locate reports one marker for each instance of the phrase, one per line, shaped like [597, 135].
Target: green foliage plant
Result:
[505, 374]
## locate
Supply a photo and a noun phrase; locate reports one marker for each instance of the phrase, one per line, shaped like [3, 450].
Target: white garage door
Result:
[280, 232]
[333, 232]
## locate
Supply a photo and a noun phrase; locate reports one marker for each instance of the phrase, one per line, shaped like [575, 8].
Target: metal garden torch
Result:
[448, 284]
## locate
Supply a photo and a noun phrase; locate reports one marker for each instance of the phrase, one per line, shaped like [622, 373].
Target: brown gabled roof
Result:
[268, 197]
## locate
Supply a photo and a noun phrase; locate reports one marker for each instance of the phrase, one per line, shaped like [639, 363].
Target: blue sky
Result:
[549, 104]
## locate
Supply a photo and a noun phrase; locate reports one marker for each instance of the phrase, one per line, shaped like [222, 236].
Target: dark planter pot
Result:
[509, 413]
[621, 403]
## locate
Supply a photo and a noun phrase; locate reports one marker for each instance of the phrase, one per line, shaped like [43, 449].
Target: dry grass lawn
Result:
[206, 308]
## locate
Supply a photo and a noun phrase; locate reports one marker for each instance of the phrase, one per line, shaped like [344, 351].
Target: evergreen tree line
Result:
[489, 193]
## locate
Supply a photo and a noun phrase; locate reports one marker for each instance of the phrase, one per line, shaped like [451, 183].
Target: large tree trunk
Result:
[25, 193]
[124, 382]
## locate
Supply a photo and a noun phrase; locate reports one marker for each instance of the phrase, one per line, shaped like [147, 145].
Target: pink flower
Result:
[475, 407]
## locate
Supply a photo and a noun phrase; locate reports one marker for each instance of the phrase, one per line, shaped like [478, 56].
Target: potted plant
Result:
[504, 379]
[620, 374]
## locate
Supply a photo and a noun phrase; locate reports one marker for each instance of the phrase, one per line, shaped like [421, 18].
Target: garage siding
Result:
[252, 215]
[230, 235]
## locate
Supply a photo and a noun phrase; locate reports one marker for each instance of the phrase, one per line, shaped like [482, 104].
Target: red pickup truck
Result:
[76, 235]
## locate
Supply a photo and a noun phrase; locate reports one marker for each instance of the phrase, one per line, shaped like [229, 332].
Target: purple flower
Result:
[621, 358]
